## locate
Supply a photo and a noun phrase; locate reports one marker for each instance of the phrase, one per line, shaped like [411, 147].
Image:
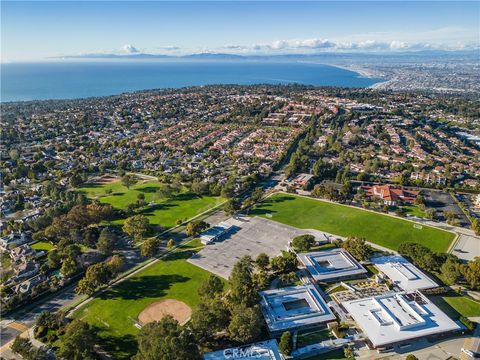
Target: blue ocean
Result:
[71, 80]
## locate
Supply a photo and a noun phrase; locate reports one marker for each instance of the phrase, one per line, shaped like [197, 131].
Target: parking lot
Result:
[249, 236]
[442, 201]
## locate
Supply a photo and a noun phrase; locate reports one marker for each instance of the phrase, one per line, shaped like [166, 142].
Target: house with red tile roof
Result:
[391, 195]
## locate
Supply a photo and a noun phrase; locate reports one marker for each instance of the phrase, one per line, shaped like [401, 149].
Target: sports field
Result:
[164, 212]
[343, 220]
[115, 311]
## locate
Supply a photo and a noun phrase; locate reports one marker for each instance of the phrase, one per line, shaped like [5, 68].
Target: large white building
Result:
[331, 265]
[402, 273]
[398, 318]
[265, 350]
[293, 308]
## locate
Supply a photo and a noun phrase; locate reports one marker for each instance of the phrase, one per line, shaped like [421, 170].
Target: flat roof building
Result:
[294, 308]
[265, 350]
[403, 273]
[331, 265]
[397, 318]
[215, 232]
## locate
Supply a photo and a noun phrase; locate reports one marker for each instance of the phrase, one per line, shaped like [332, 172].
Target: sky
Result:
[39, 30]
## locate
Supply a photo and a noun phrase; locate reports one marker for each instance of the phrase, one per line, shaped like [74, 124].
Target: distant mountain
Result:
[114, 56]
[286, 57]
[214, 56]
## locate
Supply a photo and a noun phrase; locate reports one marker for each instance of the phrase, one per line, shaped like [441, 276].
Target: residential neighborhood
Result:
[98, 193]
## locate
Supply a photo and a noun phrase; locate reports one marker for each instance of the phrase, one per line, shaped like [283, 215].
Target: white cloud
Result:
[130, 49]
[315, 45]
[398, 45]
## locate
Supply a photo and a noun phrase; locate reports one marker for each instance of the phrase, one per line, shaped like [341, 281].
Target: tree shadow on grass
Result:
[281, 198]
[151, 209]
[179, 255]
[116, 193]
[120, 347]
[153, 286]
[261, 211]
[186, 197]
[148, 189]
[263, 208]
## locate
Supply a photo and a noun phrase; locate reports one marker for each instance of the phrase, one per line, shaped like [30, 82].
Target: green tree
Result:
[471, 272]
[261, 279]
[476, 226]
[165, 340]
[53, 259]
[170, 244]
[209, 317]
[242, 287]
[285, 344]
[21, 346]
[150, 247]
[285, 263]
[430, 213]
[210, 288]
[411, 357]
[95, 276]
[246, 323]
[256, 194]
[420, 200]
[14, 154]
[194, 228]
[69, 267]
[129, 180]
[24, 348]
[136, 226]
[303, 243]
[450, 271]
[115, 264]
[78, 342]
[106, 241]
[75, 180]
[348, 352]
[167, 191]
[359, 249]
[262, 261]
[231, 206]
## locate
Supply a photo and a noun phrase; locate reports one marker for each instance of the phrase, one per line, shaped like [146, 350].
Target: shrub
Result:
[285, 344]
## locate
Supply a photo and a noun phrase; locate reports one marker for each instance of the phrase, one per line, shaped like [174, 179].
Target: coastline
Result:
[364, 73]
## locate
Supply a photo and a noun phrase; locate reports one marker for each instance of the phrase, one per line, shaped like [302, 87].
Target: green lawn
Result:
[372, 269]
[115, 311]
[414, 210]
[165, 212]
[312, 337]
[42, 246]
[343, 220]
[336, 289]
[331, 355]
[455, 305]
